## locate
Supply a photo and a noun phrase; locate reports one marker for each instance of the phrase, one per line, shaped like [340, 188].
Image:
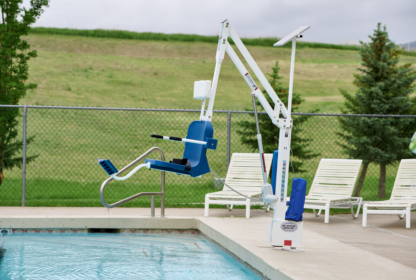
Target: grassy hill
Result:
[105, 72]
[87, 71]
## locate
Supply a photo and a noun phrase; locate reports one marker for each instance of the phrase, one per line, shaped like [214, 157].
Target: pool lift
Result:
[284, 230]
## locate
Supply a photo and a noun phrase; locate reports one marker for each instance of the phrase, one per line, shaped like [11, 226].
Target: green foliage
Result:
[14, 68]
[383, 88]
[270, 133]
[149, 36]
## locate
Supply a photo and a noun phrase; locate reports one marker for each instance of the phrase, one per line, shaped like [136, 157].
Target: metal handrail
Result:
[152, 194]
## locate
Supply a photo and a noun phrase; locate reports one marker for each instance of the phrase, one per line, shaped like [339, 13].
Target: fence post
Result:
[24, 157]
[228, 139]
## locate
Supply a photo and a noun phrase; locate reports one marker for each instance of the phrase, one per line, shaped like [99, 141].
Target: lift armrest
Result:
[211, 143]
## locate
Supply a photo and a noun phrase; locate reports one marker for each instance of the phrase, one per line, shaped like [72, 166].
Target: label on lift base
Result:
[285, 232]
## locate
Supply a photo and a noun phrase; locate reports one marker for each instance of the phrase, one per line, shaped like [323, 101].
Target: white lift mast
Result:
[282, 233]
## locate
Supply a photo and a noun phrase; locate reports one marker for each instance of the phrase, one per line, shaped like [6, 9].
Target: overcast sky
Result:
[331, 21]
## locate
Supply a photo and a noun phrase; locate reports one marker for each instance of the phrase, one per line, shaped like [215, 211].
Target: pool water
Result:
[116, 256]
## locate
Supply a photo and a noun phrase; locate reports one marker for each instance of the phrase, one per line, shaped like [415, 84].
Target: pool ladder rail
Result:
[152, 194]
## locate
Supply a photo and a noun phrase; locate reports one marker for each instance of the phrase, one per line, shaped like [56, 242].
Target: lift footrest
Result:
[108, 166]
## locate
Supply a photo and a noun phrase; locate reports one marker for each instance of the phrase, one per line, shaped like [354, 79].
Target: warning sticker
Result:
[289, 226]
[251, 81]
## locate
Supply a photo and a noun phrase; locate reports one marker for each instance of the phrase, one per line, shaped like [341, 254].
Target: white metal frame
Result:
[341, 204]
[403, 197]
[285, 123]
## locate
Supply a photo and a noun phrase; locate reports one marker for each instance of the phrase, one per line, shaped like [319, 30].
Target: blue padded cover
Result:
[297, 200]
[195, 153]
[274, 170]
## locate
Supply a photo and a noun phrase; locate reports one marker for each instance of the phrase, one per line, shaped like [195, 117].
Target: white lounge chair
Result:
[403, 198]
[333, 185]
[244, 175]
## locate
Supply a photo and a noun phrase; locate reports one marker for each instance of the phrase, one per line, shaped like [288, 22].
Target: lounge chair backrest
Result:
[244, 172]
[335, 177]
[405, 183]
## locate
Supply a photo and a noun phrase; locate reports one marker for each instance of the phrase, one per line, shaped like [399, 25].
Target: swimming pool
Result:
[125, 255]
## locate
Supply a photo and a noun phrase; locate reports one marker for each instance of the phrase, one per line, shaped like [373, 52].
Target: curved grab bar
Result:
[152, 194]
[131, 172]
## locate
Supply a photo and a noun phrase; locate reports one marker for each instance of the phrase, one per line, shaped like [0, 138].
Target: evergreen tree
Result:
[383, 88]
[14, 57]
[270, 133]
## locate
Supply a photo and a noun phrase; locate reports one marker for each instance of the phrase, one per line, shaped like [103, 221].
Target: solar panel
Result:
[291, 36]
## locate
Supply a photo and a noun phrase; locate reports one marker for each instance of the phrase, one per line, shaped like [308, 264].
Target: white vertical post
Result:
[408, 221]
[228, 139]
[222, 44]
[285, 135]
[365, 216]
[292, 73]
[282, 177]
[248, 202]
[202, 110]
[206, 210]
[152, 206]
[208, 114]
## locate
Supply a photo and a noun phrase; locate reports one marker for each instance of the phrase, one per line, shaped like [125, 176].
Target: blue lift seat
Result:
[196, 154]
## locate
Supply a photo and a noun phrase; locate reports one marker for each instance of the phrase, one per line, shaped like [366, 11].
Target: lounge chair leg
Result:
[407, 217]
[364, 216]
[327, 213]
[352, 210]
[206, 206]
[401, 216]
[319, 212]
[360, 201]
[247, 208]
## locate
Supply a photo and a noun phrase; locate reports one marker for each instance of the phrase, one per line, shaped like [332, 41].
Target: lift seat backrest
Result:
[196, 153]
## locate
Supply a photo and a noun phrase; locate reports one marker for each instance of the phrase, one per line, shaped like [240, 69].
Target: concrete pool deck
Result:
[342, 249]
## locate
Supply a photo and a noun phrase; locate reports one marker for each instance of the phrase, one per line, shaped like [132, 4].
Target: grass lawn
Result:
[84, 71]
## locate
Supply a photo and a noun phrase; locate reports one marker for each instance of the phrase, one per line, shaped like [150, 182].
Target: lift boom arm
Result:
[285, 123]
[223, 46]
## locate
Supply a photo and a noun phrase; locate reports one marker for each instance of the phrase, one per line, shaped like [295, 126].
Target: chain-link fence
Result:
[65, 143]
